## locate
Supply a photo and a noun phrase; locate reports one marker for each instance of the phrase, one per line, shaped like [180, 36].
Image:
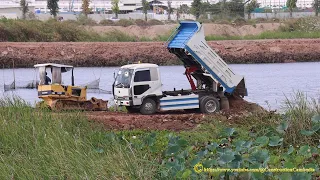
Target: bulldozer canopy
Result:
[64, 68]
[56, 70]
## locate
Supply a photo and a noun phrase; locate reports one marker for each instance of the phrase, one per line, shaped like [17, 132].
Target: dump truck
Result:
[58, 96]
[138, 87]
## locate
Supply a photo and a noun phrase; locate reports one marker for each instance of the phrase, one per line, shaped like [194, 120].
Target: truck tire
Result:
[209, 104]
[132, 109]
[148, 106]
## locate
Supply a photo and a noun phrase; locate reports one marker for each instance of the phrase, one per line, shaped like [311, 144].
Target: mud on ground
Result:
[172, 120]
[116, 54]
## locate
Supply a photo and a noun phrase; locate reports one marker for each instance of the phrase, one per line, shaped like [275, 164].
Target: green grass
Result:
[45, 145]
[268, 35]
[40, 144]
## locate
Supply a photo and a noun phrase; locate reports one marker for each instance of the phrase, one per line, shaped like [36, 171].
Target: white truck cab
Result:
[136, 82]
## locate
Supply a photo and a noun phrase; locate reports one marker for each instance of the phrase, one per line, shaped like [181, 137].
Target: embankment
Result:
[116, 54]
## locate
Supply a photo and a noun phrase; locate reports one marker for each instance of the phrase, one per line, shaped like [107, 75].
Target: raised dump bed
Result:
[189, 45]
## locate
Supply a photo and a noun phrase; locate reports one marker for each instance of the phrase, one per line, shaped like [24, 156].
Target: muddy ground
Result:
[116, 54]
[173, 120]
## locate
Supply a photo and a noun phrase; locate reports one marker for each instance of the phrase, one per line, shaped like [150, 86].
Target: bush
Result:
[106, 22]
[170, 22]
[239, 21]
[141, 22]
[83, 20]
[39, 31]
[260, 20]
[153, 22]
[124, 23]
[118, 36]
[69, 21]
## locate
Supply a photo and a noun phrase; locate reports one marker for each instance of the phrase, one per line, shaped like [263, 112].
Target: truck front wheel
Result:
[148, 106]
[209, 104]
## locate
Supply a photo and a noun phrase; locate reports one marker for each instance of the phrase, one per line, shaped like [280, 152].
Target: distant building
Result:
[127, 6]
[276, 4]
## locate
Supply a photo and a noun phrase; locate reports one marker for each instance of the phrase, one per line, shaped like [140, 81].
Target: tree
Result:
[316, 6]
[53, 7]
[145, 8]
[196, 7]
[85, 7]
[170, 10]
[291, 4]
[184, 9]
[250, 7]
[115, 7]
[24, 8]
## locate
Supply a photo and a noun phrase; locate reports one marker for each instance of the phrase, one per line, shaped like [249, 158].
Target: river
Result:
[267, 84]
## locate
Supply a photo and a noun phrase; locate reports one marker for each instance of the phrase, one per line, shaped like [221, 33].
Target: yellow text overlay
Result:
[198, 168]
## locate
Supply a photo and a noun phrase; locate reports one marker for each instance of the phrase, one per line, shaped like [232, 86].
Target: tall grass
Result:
[45, 145]
[299, 109]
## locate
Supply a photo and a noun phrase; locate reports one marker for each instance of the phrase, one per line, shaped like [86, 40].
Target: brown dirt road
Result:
[115, 54]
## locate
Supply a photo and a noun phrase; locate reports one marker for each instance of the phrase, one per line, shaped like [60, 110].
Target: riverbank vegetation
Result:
[42, 144]
[74, 31]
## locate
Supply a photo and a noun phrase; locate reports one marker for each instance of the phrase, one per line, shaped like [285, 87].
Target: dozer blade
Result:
[89, 105]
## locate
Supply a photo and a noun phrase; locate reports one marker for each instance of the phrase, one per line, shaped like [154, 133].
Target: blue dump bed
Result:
[189, 45]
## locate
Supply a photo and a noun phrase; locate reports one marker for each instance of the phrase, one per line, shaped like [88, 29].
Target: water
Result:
[266, 83]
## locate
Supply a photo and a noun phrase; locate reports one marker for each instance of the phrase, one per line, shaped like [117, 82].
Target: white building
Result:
[132, 5]
[282, 3]
[96, 5]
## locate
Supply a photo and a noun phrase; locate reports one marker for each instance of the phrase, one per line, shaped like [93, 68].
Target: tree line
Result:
[198, 8]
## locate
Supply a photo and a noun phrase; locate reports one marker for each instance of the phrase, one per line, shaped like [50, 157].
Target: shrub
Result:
[170, 22]
[124, 23]
[153, 22]
[141, 22]
[118, 36]
[69, 21]
[240, 21]
[260, 20]
[83, 20]
[106, 22]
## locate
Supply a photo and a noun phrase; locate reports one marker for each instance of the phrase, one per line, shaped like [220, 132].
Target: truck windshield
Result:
[123, 78]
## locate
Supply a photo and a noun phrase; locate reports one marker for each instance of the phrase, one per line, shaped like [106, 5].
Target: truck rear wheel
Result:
[209, 104]
[148, 106]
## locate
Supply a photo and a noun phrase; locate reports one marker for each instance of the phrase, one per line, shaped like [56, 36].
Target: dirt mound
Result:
[172, 120]
[90, 54]
[209, 29]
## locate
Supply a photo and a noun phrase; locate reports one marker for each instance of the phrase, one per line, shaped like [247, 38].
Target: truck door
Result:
[141, 84]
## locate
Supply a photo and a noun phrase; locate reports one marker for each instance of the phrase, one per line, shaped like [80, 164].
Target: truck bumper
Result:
[123, 102]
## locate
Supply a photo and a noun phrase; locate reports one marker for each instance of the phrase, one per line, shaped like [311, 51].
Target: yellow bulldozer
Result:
[58, 97]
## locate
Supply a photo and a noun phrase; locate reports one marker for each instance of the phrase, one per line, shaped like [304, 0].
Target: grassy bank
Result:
[268, 35]
[66, 31]
[41, 144]
[74, 31]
